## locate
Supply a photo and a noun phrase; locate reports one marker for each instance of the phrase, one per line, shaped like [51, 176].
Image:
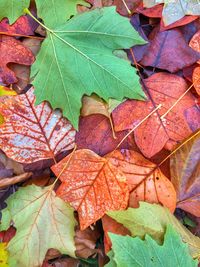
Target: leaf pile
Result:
[99, 133]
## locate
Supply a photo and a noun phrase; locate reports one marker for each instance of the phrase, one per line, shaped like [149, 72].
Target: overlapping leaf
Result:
[31, 133]
[91, 185]
[152, 219]
[80, 60]
[146, 182]
[160, 131]
[130, 251]
[43, 221]
[185, 173]
[175, 9]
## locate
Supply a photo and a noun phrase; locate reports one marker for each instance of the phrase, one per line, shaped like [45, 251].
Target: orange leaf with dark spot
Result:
[31, 133]
[92, 185]
[185, 175]
[13, 51]
[157, 132]
[145, 180]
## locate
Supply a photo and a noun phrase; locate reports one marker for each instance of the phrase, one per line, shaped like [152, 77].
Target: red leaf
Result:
[12, 51]
[32, 133]
[145, 180]
[195, 43]
[91, 185]
[157, 132]
[164, 54]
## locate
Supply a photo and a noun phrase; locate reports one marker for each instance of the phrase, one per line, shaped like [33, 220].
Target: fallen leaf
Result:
[148, 253]
[145, 180]
[196, 79]
[7, 235]
[163, 55]
[157, 132]
[195, 42]
[175, 10]
[152, 219]
[185, 175]
[12, 50]
[108, 72]
[95, 133]
[91, 185]
[32, 133]
[122, 9]
[36, 211]
[3, 255]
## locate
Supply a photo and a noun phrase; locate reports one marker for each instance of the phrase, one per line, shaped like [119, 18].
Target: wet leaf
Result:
[152, 219]
[36, 211]
[145, 180]
[148, 253]
[31, 133]
[91, 53]
[91, 185]
[157, 131]
[185, 175]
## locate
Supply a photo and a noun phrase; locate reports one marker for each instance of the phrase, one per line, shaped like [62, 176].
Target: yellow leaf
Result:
[3, 255]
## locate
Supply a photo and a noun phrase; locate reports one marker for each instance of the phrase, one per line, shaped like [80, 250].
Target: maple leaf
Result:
[31, 133]
[185, 175]
[159, 131]
[152, 219]
[148, 253]
[43, 221]
[12, 50]
[3, 255]
[175, 9]
[161, 54]
[84, 43]
[91, 185]
[146, 181]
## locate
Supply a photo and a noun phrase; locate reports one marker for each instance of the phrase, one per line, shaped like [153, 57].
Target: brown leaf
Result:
[12, 50]
[91, 185]
[185, 175]
[145, 180]
[164, 54]
[32, 133]
[157, 132]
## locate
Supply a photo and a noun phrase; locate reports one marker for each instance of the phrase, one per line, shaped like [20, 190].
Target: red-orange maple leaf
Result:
[92, 185]
[31, 133]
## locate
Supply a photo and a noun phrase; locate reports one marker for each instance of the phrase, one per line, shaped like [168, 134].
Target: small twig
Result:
[22, 35]
[14, 180]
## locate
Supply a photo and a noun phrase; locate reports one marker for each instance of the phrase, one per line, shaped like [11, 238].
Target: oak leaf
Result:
[185, 175]
[91, 184]
[31, 133]
[145, 180]
[43, 221]
[13, 51]
[67, 55]
[157, 132]
[152, 219]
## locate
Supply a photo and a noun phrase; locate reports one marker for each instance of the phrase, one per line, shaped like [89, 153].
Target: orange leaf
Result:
[32, 133]
[146, 181]
[157, 131]
[92, 185]
[196, 79]
[195, 42]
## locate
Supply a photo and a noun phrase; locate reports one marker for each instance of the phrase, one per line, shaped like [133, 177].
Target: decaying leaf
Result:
[12, 50]
[159, 131]
[146, 181]
[91, 184]
[185, 175]
[31, 133]
[147, 253]
[43, 221]
[152, 219]
[71, 60]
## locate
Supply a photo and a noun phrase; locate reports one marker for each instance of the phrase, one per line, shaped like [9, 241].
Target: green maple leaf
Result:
[175, 9]
[42, 221]
[77, 58]
[53, 13]
[152, 219]
[134, 252]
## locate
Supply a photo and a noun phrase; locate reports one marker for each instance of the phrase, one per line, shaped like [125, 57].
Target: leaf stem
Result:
[26, 11]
